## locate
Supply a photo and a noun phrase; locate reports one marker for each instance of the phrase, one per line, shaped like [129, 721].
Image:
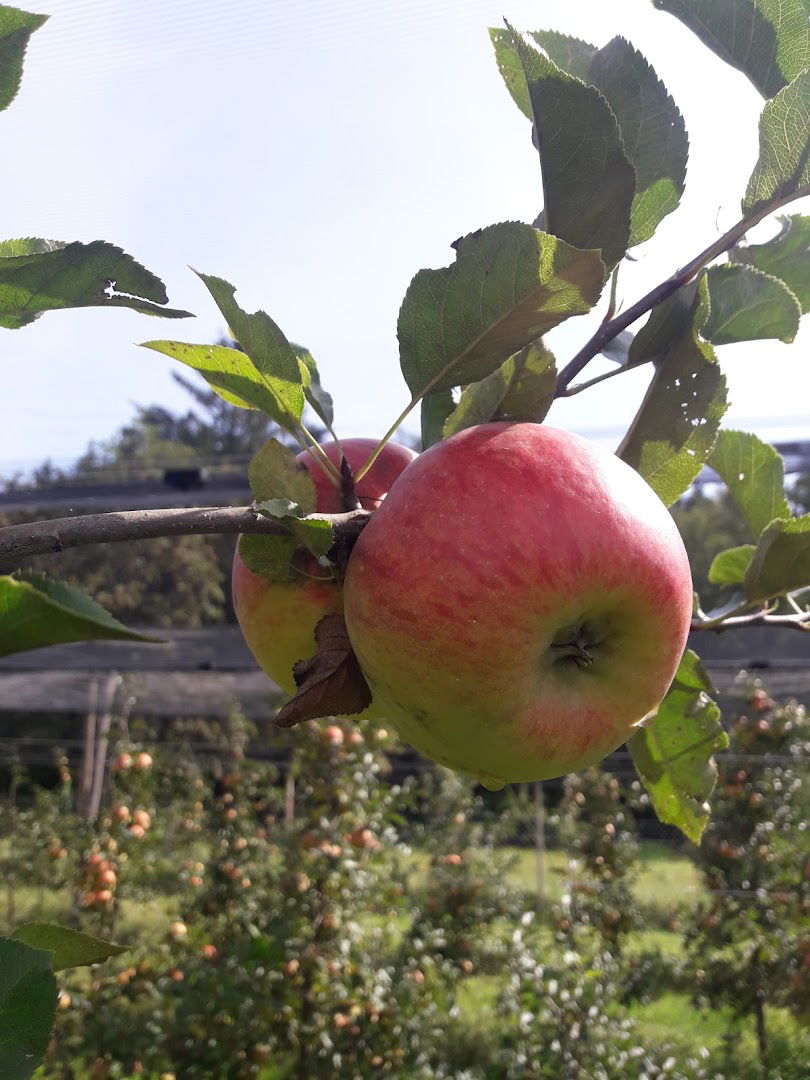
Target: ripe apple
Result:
[518, 603]
[278, 620]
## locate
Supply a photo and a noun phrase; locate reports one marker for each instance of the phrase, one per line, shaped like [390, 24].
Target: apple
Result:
[519, 602]
[278, 620]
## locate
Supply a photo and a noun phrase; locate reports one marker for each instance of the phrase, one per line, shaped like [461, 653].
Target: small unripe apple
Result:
[333, 735]
[142, 761]
[142, 818]
[178, 929]
[121, 813]
[519, 603]
[278, 620]
[209, 952]
[137, 831]
[122, 763]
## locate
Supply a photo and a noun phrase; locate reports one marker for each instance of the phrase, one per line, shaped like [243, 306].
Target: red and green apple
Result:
[278, 620]
[519, 602]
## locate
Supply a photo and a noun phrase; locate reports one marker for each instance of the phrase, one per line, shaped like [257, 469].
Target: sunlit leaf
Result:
[783, 168]
[767, 40]
[729, 567]
[275, 473]
[229, 372]
[754, 474]
[36, 612]
[748, 305]
[313, 533]
[673, 751]
[47, 275]
[653, 132]
[508, 286]
[787, 256]
[522, 388]
[269, 350]
[781, 562]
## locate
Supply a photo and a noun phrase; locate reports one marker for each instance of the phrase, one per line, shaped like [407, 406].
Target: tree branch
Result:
[610, 328]
[18, 542]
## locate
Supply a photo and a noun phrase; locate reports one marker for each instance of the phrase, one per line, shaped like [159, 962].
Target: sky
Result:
[316, 156]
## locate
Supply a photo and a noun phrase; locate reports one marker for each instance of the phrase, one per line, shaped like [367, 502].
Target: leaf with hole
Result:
[754, 474]
[675, 428]
[46, 275]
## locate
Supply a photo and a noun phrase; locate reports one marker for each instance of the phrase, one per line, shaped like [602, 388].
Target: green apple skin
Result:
[519, 602]
[278, 620]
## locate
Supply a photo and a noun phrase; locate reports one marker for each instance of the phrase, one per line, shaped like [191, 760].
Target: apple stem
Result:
[318, 454]
[361, 472]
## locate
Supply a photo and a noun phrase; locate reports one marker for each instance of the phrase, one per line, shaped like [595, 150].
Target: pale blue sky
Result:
[317, 155]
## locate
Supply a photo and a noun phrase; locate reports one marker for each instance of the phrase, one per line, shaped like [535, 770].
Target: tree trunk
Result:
[104, 722]
[762, 1035]
[86, 776]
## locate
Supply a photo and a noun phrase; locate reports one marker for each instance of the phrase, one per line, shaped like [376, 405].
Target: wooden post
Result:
[539, 842]
[102, 739]
[289, 798]
[86, 776]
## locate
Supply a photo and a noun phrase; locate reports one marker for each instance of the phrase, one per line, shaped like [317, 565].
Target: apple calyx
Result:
[575, 644]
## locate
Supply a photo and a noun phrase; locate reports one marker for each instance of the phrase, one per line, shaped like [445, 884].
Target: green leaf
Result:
[269, 556]
[588, 181]
[765, 39]
[783, 169]
[275, 473]
[522, 388]
[317, 398]
[314, 533]
[673, 751]
[36, 612]
[781, 562]
[754, 474]
[229, 372]
[786, 257]
[508, 286]
[28, 995]
[653, 132]
[531, 388]
[747, 305]
[68, 948]
[269, 350]
[435, 410]
[729, 567]
[47, 275]
[675, 428]
[16, 28]
[570, 54]
[667, 323]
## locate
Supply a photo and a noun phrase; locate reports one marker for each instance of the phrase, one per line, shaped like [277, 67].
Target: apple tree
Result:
[612, 149]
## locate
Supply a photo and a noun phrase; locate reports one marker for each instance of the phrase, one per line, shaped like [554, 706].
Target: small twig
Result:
[758, 618]
[609, 329]
[18, 542]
